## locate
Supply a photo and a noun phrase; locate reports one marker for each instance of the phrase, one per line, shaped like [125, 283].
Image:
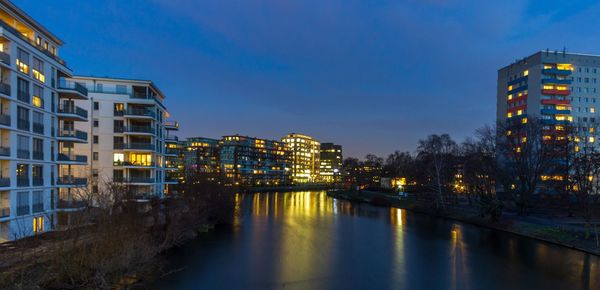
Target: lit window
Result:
[118, 158]
[37, 101]
[23, 61]
[509, 115]
[592, 139]
[38, 224]
[526, 73]
[592, 110]
[524, 121]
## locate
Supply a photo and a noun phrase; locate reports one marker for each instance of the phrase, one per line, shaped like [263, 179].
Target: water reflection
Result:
[306, 240]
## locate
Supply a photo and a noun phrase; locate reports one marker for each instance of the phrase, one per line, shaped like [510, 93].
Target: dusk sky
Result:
[373, 76]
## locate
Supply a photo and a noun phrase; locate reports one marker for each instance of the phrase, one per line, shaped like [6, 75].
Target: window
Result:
[141, 159]
[99, 88]
[119, 108]
[22, 203]
[121, 89]
[95, 138]
[592, 110]
[22, 61]
[38, 95]
[37, 175]
[117, 175]
[38, 70]
[22, 147]
[38, 149]
[46, 45]
[118, 158]
[38, 224]
[96, 106]
[119, 126]
[38, 122]
[22, 118]
[96, 123]
[118, 142]
[23, 90]
[22, 175]
[38, 41]
[95, 156]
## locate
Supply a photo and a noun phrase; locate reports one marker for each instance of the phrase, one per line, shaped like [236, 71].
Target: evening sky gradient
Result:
[373, 76]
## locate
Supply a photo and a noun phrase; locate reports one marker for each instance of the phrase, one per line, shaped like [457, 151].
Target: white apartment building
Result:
[31, 85]
[128, 135]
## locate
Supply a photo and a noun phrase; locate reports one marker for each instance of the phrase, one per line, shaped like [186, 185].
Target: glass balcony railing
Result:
[139, 146]
[71, 204]
[73, 134]
[72, 86]
[70, 180]
[139, 129]
[70, 157]
[74, 110]
[139, 112]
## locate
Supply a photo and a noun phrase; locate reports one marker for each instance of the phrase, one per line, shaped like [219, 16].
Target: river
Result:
[307, 240]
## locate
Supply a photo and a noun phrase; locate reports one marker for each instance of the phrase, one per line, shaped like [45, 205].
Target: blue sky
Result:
[373, 76]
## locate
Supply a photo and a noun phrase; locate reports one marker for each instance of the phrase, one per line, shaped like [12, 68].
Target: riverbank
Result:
[538, 228]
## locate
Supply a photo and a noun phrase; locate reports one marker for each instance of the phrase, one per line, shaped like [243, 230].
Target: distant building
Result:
[173, 161]
[304, 157]
[248, 161]
[200, 158]
[330, 169]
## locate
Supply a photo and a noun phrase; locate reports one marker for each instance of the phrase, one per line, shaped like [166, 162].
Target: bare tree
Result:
[438, 152]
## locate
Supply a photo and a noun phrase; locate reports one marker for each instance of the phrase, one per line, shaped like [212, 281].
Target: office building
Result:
[330, 169]
[304, 158]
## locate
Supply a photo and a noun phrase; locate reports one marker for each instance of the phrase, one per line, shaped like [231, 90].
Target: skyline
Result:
[251, 75]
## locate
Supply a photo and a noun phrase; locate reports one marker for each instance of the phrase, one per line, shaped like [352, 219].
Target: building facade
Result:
[331, 159]
[32, 80]
[128, 135]
[173, 162]
[248, 161]
[200, 158]
[304, 158]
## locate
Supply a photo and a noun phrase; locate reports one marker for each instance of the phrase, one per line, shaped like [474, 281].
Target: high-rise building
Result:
[32, 80]
[200, 158]
[248, 161]
[304, 157]
[330, 169]
[128, 133]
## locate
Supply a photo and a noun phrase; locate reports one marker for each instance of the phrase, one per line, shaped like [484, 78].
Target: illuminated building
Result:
[304, 157]
[330, 169]
[559, 88]
[248, 161]
[129, 136]
[32, 81]
[173, 162]
[200, 158]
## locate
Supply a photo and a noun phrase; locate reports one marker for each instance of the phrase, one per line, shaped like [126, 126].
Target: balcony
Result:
[139, 113]
[172, 126]
[38, 128]
[72, 113]
[555, 71]
[5, 120]
[4, 182]
[171, 151]
[171, 139]
[134, 164]
[139, 146]
[73, 136]
[139, 130]
[5, 58]
[72, 90]
[4, 211]
[555, 122]
[516, 90]
[71, 204]
[556, 92]
[22, 181]
[5, 89]
[556, 102]
[141, 95]
[555, 112]
[556, 81]
[72, 181]
[20, 35]
[71, 158]
[140, 180]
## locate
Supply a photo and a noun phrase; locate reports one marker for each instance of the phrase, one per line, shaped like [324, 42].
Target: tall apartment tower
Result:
[557, 87]
[31, 83]
[128, 133]
[304, 157]
[330, 168]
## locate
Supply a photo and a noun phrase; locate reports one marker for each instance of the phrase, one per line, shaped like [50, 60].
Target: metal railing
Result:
[22, 181]
[72, 157]
[38, 181]
[22, 210]
[4, 212]
[4, 151]
[139, 112]
[5, 57]
[5, 89]
[38, 128]
[4, 182]
[70, 180]
[73, 134]
[37, 207]
[139, 129]
[23, 154]
[75, 110]
[23, 125]
[130, 163]
[134, 179]
[139, 146]
[5, 120]
[38, 155]
[71, 204]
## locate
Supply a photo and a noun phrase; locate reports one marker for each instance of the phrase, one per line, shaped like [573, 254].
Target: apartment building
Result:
[127, 129]
[304, 157]
[248, 161]
[32, 81]
[330, 168]
[200, 158]
[173, 161]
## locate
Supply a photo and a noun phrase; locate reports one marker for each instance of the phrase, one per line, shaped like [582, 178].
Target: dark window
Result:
[95, 139]
[22, 118]
[96, 122]
[95, 156]
[23, 90]
[96, 106]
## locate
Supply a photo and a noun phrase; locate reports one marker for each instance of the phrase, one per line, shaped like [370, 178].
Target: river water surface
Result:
[307, 240]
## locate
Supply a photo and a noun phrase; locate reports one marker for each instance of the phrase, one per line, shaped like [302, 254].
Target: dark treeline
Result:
[524, 167]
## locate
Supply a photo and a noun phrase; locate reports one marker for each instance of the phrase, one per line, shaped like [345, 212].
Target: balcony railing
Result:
[75, 110]
[5, 89]
[38, 181]
[171, 151]
[139, 112]
[4, 212]
[130, 163]
[38, 155]
[22, 181]
[5, 57]
[4, 182]
[73, 134]
[134, 179]
[171, 179]
[72, 86]
[38, 128]
[23, 154]
[172, 138]
[5, 120]
[70, 180]
[5, 151]
[22, 210]
[139, 129]
[138, 95]
[37, 207]
[139, 146]
[23, 125]
[70, 157]
[71, 204]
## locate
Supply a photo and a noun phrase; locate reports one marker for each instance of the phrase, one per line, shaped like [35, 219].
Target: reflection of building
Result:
[127, 135]
[248, 161]
[304, 154]
[200, 158]
[330, 169]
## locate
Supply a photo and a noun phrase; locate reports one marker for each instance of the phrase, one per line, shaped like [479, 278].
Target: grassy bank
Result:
[555, 234]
